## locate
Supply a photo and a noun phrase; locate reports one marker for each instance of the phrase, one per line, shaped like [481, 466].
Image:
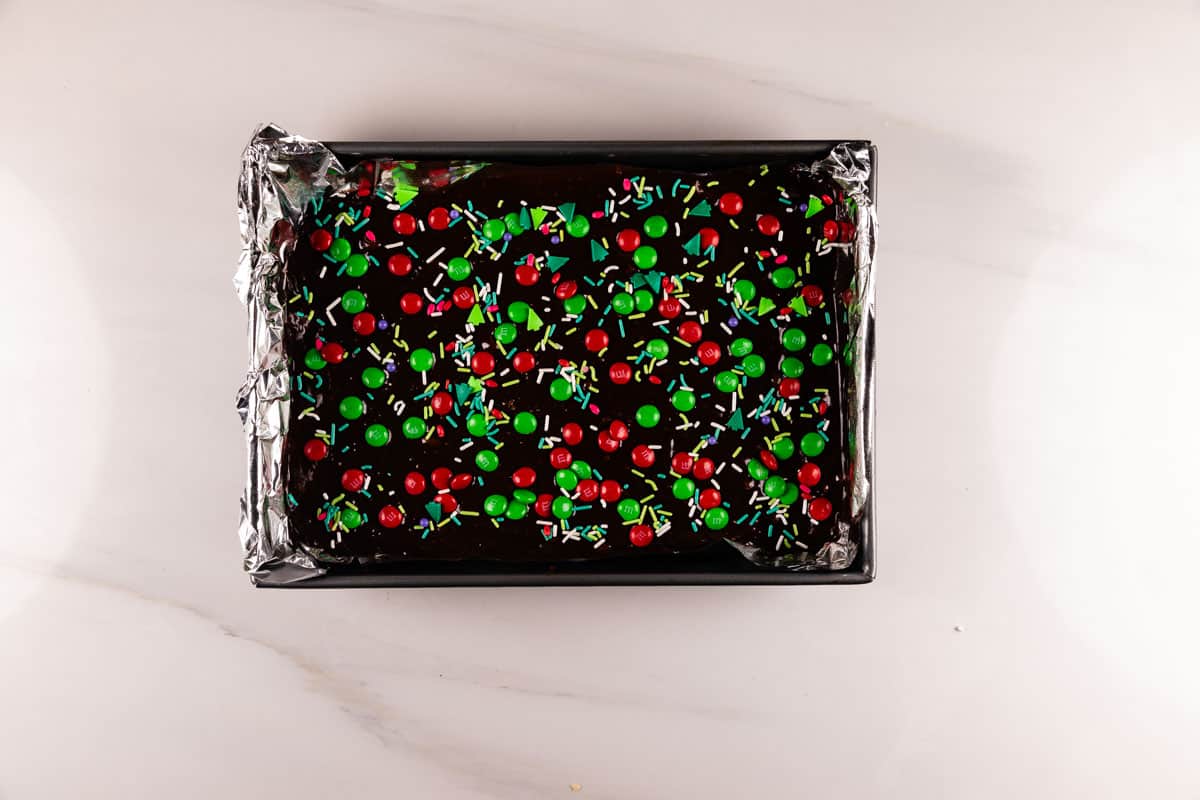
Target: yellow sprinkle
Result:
[683, 342]
[688, 196]
[466, 513]
[736, 267]
[734, 454]
[510, 383]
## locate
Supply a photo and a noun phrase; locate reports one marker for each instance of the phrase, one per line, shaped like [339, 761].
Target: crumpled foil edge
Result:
[280, 173]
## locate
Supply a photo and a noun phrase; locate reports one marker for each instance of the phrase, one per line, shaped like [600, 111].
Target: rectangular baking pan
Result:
[716, 566]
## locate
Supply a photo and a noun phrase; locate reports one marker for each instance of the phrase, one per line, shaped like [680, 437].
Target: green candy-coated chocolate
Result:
[745, 290]
[352, 407]
[774, 486]
[373, 377]
[356, 265]
[582, 469]
[578, 226]
[353, 301]
[757, 469]
[518, 312]
[784, 449]
[377, 435]
[716, 518]
[477, 425]
[458, 268]
[790, 495]
[658, 348]
[493, 229]
[560, 389]
[575, 305]
[524, 496]
[645, 257]
[566, 479]
[350, 518]
[629, 509]
[623, 303]
[517, 510]
[487, 460]
[512, 221]
[524, 422]
[421, 360]
[643, 299]
[794, 339]
[726, 381]
[684, 400]
[741, 347]
[506, 333]
[562, 507]
[648, 416]
[495, 505]
[413, 427]
[812, 445]
[683, 488]
[822, 354]
[783, 277]
[656, 226]
[313, 360]
[792, 367]
[754, 365]
[339, 250]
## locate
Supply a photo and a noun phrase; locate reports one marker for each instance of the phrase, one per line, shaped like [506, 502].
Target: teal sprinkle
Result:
[329, 258]
[740, 519]
[365, 493]
[827, 320]
[373, 260]
[582, 508]
[319, 321]
[770, 531]
[316, 206]
[332, 434]
[359, 225]
[346, 449]
[621, 326]
[412, 252]
[426, 533]
[370, 396]
[822, 434]
[291, 499]
[308, 397]
[451, 422]
[675, 186]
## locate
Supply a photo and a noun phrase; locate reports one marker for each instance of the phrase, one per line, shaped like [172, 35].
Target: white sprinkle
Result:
[322, 275]
[433, 257]
[393, 245]
[329, 311]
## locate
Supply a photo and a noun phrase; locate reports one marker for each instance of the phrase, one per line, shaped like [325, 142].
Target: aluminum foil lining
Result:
[282, 172]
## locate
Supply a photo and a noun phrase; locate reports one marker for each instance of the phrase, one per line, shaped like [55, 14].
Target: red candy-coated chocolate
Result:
[566, 290]
[404, 224]
[439, 219]
[572, 434]
[641, 535]
[610, 491]
[542, 506]
[390, 517]
[441, 403]
[414, 483]
[363, 323]
[709, 498]
[730, 203]
[789, 388]
[400, 265]
[709, 237]
[463, 297]
[333, 352]
[461, 481]
[315, 449]
[704, 469]
[524, 361]
[618, 430]
[620, 373]
[628, 240]
[483, 362]
[440, 477]
[813, 295]
[643, 456]
[524, 477]
[768, 459]
[560, 458]
[809, 474]
[320, 240]
[681, 463]
[595, 340]
[709, 353]
[411, 303]
[690, 331]
[527, 275]
[447, 502]
[820, 509]
[670, 308]
[768, 224]
[588, 490]
[607, 443]
[353, 480]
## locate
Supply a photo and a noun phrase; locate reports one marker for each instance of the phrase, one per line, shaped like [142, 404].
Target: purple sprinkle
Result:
[733, 322]
[382, 324]
[765, 419]
[712, 440]
[424, 521]
[554, 239]
[453, 214]
[507, 237]
[391, 367]
[804, 206]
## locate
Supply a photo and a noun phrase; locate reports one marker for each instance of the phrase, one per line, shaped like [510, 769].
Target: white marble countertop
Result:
[1032, 632]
